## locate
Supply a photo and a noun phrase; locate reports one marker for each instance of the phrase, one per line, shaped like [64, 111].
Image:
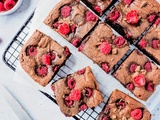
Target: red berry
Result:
[88, 92]
[90, 16]
[81, 47]
[47, 58]
[139, 80]
[136, 114]
[31, 50]
[73, 27]
[150, 86]
[119, 41]
[52, 87]
[132, 17]
[105, 67]
[148, 66]
[71, 83]
[64, 28]
[98, 9]
[105, 48]
[68, 101]
[9, 4]
[67, 52]
[130, 86]
[2, 7]
[83, 107]
[65, 11]
[142, 44]
[56, 68]
[80, 72]
[56, 24]
[128, 2]
[105, 118]
[151, 18]
[75, 95]
[155, 44]
[132, 67]
[76, 41]
[114, 15]
[120, 104]
[157, 21]
[42, 71]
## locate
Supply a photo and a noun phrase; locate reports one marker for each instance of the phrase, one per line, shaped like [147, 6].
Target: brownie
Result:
[104, 47]
[71, 20]
[150, 43]
[139, 75]
[131, 17]
[77, 92]
[120, 106]
[41, 57]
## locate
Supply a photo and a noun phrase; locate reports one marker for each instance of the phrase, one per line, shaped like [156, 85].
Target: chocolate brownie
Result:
[150, 43]
[71, 20]
[120, 106]
[104, 47]
[41, 57]
[139, 75]
[77, 92]
[131, 17]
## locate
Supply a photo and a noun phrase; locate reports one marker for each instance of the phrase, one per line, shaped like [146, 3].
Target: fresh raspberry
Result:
[64, 28]
[148, 66]
[76, 41]
[52, 88]
[151, 18]
[132, 67]
[105, 48]
[105, 118]
[75, 95]
[31, 50]
[73, 27]
[90, 17]
[114, 15]
[128, 2]
[56, 68]
[2, 7]
[9, 4]
[56, 24]
[119, 41]
[71, 83]
[88, 92]
[142, 44]
[130, 86]
[83, 107]
[81, 47]
[98, 9]
[150, 86]
[155, 44]
[136, 114]
[65, 11]
[80, 72]
[139, 80]
[67, 52]
[132, 17]
[42, 71]
[120, 104]
[47, 58]
[157, 22]
[68, 101]
[105, 67]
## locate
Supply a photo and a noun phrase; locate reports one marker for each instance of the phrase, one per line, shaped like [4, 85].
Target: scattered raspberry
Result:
[75, 95]
[150, 86]
[71, 83]
[142, 44]
[42, 71]
[98, 9]
[132, 17]
[47, 58]
[52, 88]
[9, 4]
[68, 101]
[136, 114]
[73, 27]
[80, 72]
[128, 2]
[105, 118]
[2, 7]
[83, 107]
[120, 104]
[90, 17]
[139, 80]
[148, 66]
[105, 67]
[67, 52]
[88, 92]
[132, 67]
[130, 86]
[56, 68]
[151, 18]
[105, 48]
[155, 44]
[64, 28]
[119, 41]
[31, 50]
[56, 24]
[114, 15]
[81, 47]
[65, 11]
[157, 21]
[76, 41]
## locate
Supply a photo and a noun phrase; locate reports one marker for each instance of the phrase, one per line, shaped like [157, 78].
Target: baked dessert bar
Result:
[41, 57]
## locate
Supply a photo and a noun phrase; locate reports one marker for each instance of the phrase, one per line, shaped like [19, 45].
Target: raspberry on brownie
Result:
[120, 106]
[71, 20]
[140, 75]
[41, 57]
[77, 92]
[131, 17]
[104, 47]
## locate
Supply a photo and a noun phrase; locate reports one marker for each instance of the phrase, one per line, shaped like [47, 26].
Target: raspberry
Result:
[139, 80]
[105, 48]
[68, 101]
[71, 83]
[64, 28]
[90, 17]
[80, 72]
[65, 11]
[56, 68]
[67, 52]
[98, 9]
[128, 2]
[76, 41]
[81, 47]
[47, 58]
[42, 71]
[83, 107]
[155, 44]
[114, 15]
[31, 50]
[120, 104]
[142, 44]
[9, 4]
[105, 67]
[150, 86]
[157, 21]
[52, 88]
[105, 118]
[56, 24]
[151, 18]
[75, 95]
[136, 114]
[132, 67]
[73, 27]
[148, 66]
[119, 41]
[88, 92]
[132, 17]
[2, 7]
[130, 86]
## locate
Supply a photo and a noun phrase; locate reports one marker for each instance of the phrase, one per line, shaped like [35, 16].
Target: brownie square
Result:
[150, 43]
[104, 47]
[131, 18]
[120, 106]
[77, 92]
[41, 57]
[139, 75]
[71, 20]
